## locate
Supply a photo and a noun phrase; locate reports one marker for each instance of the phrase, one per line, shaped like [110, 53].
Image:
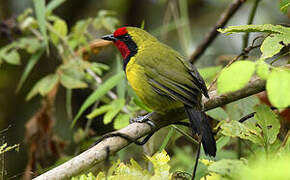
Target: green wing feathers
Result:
[173, 76]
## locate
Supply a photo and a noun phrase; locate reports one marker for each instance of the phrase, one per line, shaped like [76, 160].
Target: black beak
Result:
[109, 37]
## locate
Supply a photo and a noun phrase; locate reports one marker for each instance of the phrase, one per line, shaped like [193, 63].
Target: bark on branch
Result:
[98, 153]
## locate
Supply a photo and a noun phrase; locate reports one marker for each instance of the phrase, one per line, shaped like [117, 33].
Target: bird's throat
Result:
[123, 48]
[127, 49]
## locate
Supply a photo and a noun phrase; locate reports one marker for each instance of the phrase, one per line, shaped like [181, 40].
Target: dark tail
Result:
[200, 125]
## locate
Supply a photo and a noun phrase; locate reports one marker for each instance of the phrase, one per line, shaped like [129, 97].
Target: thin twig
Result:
[250, 21]
[275, 60]
[196, 160]
[36, 33]
[210, 37]
[6, 129]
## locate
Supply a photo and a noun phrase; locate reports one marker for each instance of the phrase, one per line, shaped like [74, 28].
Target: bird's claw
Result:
[143, 119]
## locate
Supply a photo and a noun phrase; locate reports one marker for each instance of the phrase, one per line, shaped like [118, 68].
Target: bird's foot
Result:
[143, 119]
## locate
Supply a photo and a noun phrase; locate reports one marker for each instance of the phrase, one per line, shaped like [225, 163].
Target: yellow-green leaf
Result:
[116, 106]
[98, 93]
[12, 57]
[121, 120]
[236, 76]
[278, 88]
[268, 122]
[262, 70]
[54, 4]
[266, 28]
[71, 83]
[98, 111]
[272, 46]
[237, 129]
[60, 28]
[40, 11]
[29, 66]
[209, 73]
[218, 114]
[43, 86]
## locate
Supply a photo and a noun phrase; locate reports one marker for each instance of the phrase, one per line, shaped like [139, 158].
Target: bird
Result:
[163, 79]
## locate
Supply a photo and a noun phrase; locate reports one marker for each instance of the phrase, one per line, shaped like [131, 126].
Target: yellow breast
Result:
[139, 82]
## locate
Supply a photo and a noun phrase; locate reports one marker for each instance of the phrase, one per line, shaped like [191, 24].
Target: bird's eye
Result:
[126, 37]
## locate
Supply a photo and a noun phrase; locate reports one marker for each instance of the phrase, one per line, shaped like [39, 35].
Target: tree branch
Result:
[210, 37]
[250, 21]
[86, 160]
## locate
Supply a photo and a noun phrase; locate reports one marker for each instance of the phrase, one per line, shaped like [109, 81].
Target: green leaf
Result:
[272, 46]
[43, 86]
[222, 141]
[278, 88]
[242, 107]
[284, 5]
[98, 68]
[12, 57]
[268, 122]
[236, 129]
[262, 70]
[54, 4]
[266, 28]
[31, 45]
[236, 76]
[40, 16]
[72, 74]
[71, 83]
[122, 120]
[116, 107]
[60, 27]
[218, 114]
[279, 36]
[209, 73]
[29, 66]
[98, 111]
[98, 93]
[226, 167]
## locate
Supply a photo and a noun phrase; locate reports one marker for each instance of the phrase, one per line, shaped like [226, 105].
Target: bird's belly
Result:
[150, 97]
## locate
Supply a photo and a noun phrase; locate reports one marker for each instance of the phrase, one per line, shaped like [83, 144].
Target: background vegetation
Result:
[59, 92]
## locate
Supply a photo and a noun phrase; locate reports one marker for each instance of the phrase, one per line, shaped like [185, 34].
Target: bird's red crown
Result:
[120, 32]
